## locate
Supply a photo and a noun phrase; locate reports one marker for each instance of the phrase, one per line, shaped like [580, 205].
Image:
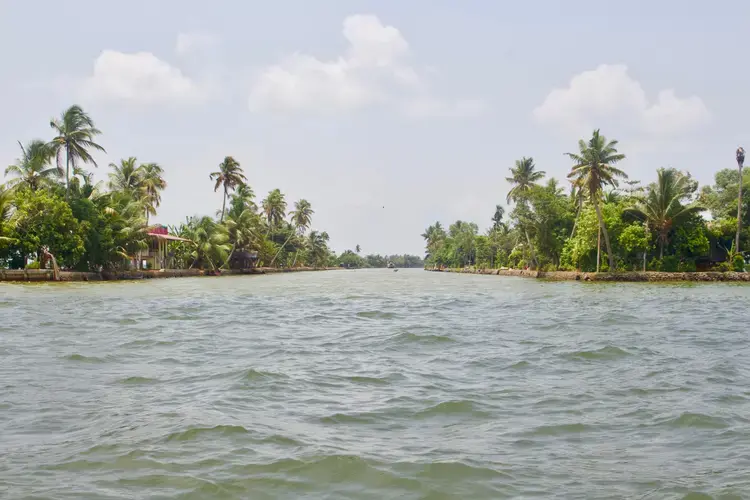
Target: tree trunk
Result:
[575, 221]
[531, 250]
[739, 214]
[224, 203]
[606, 236]
[661, 249]
[67, 170]
[644, 262]
[598, 248]
[230, 254]
[280, 249]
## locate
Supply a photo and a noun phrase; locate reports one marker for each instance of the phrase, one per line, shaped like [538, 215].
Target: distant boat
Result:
[391, 265]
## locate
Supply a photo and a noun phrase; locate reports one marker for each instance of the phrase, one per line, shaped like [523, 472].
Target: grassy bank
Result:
[37, 275]
[649, 276]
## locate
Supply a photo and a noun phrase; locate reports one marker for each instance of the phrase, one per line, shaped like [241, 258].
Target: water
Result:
[373, 385]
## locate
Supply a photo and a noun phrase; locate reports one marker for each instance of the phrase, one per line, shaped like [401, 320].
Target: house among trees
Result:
[158, 255]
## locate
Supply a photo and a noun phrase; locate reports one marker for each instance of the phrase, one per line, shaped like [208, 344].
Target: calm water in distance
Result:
[374, 385]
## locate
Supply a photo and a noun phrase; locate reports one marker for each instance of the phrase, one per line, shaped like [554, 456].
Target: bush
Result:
[670, 264]
[654, 265]
[738, 263]
[724, 267]
[33, 265]
[687, 267]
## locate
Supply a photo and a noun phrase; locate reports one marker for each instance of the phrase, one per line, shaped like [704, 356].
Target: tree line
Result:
[51, 205]
[604, 221]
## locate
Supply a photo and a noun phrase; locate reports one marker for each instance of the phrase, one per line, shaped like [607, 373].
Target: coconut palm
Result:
[497, 217]
[243, 230]
[151, 184]
[125, 177]
[594, 169]
[32, 168]
[210, 241]
[229, 175]
[317, 248]
[75, 139]
[662, 209]
[523, 178]
[242, 199]
[301, 217]
[740, 155]
[274, 207]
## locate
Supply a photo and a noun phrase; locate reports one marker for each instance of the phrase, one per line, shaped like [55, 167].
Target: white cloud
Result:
[141, 78]
[190, 42]
[609, 94]
[374, 69]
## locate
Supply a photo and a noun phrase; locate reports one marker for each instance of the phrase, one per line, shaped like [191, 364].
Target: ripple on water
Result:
[695, 420]
[196, 433]
[608, 352]
[376, 315]
[80, 358]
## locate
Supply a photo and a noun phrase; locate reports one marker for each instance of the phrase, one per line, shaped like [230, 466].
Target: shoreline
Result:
[621, 277]
[47, 275]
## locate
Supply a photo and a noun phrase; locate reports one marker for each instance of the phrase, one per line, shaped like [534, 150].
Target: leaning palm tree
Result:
[152, 183]
[523, 178]
[592, 170]
[243, 230]
[301, 218]
[662, 209]
[75, 138]
[274, 207]
[32, 168]
[229, 175]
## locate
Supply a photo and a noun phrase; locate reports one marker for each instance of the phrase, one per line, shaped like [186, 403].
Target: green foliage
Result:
[42, 219]
[738, 263]
[670, 264]
[687, 266]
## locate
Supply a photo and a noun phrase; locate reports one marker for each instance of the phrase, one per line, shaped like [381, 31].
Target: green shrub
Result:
[33, 265]
[724, 267]
[670, 264]
[738, 263]
[687, 267]
[654, 265]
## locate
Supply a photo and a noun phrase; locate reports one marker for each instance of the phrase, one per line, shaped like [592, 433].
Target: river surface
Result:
[374, 385]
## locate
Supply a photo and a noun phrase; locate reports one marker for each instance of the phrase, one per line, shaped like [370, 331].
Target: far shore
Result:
[41, 275]
[629, 276]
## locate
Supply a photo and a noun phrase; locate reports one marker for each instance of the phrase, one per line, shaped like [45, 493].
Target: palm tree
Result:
[662, 209]
[301, 219]
[32, 168]
[75, 137]
[242, 231]
[152, 183]
[229, 175]
[740, 155]
[126, 177]
[274, 207]
[242, 199]
[523, 177]
[357, 249]
[317, 247]
[593, 169]
[497, 217]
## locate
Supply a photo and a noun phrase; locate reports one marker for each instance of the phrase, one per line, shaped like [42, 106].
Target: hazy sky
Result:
[385, 114]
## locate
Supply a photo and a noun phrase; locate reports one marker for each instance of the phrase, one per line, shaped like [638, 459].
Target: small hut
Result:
[243, 259]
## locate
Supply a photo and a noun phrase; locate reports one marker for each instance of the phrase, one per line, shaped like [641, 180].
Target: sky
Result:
[386, 115]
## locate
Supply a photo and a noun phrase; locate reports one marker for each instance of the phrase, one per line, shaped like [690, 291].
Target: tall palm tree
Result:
[593, 169]
[301, 219]
[75, 138]
[274, 207]
[523, 177]
[317, 247]
[662, 209]
[740, 155]
[229, 175]
[497, 218]
[126, 177]
[32, 168]
[242, 199]
[152, 183]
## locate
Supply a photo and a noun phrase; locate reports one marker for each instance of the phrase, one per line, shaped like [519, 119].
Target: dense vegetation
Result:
[51, 204]
[603, 221]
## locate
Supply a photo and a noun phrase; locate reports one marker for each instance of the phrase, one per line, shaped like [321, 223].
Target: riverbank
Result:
[648, 276]
[40, 275]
